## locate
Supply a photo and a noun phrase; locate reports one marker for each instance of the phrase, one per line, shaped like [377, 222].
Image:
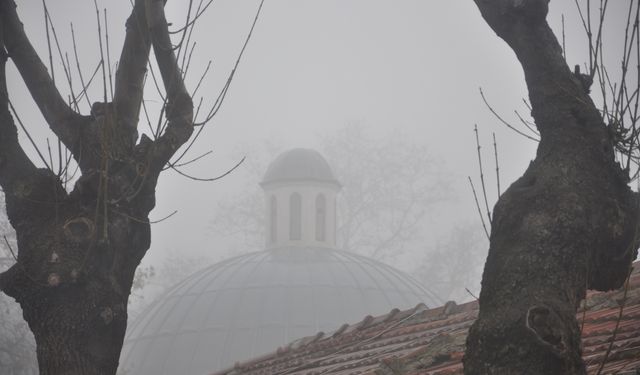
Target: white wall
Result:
[308, 191]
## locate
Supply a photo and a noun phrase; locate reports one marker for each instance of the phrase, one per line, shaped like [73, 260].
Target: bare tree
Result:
[77, 250]
[453, 267]
[570, 222]
[390, 188]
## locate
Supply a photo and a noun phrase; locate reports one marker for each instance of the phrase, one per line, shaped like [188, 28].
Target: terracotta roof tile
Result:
[423, 341]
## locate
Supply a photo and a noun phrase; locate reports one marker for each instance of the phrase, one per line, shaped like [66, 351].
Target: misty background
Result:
[387, 90]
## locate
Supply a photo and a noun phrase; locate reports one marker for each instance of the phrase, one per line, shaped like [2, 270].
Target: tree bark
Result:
[568, 224]
[78, 251]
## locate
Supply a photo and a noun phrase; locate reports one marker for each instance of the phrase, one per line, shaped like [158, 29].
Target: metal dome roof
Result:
[299, 164]
[251, 304]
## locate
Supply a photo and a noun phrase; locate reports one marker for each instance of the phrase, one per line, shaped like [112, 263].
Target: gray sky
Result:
[411, 67]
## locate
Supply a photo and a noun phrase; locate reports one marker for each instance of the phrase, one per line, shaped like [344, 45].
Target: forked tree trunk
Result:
[78, 251]
[568, 224]
[71, 283]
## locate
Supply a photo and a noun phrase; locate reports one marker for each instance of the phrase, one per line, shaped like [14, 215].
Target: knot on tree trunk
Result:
[107, 315]
[79, 229]
[22, 189]
[53, 280]
[548, 329]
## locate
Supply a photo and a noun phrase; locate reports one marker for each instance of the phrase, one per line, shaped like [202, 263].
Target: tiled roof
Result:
[423, 341]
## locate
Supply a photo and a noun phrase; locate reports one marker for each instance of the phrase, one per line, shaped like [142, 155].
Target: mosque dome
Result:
[254, 303]
[299, 164]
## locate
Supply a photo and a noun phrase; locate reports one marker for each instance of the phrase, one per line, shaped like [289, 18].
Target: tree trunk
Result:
[77, 332]
[71, 281]
[72, 341]
[78, 251]
[568, 224]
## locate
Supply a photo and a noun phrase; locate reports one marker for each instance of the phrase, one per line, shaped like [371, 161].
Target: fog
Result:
[404, 73]
[411, 69]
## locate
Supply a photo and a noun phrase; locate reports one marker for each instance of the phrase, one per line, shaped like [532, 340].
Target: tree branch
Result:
[15, 166]
[27, 189]
[132, 66]
[522, 24]
[179, 103]
[62, 120]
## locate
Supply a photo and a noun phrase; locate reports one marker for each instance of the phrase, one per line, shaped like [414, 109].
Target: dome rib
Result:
[195, 279]
[267, 299]
[412, 283]
[405, 280]
[358, 262]
[204, 292]
[234, 323]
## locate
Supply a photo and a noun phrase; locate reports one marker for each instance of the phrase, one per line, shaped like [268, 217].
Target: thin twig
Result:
[46, 25]
[75, 53]
[471, 294]
[503, 121]
[484, 189]
[106, 42]
[495, 153]
[475, 196]
[208, 179]
[198, 14]
[186, 34]
[50, 154]
[144, 221]
[204, 74]
[193, 160]
[26, 132]
[223, 93]
[219, 100]
[104, 70]
[526, 123]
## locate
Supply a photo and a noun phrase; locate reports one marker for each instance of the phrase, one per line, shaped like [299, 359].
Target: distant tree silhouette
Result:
[389, 186]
